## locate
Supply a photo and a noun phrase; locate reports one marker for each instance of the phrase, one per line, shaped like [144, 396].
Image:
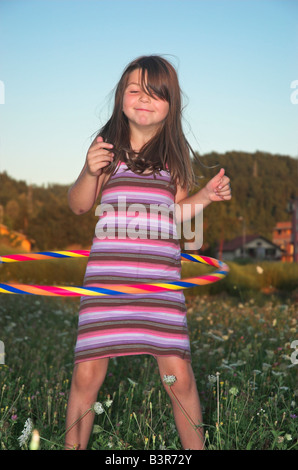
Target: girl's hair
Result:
[168, 148]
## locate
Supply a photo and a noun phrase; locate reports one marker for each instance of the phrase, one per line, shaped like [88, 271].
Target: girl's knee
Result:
[89, 375]
[82, 375]
[183, 373]
[184, 383]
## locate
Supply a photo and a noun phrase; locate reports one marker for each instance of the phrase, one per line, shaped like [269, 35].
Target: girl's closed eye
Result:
[133, 88]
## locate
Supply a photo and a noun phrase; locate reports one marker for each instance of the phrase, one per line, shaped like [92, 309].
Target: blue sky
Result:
[60, 60]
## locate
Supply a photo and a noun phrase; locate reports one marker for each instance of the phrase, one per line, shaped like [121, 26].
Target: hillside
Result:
[262, 185]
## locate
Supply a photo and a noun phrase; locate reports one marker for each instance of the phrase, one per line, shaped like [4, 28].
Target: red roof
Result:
[280, 225]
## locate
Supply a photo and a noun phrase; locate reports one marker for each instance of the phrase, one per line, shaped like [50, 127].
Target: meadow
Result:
[241, 329]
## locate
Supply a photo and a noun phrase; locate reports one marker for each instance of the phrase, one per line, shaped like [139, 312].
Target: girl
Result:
[140, 156]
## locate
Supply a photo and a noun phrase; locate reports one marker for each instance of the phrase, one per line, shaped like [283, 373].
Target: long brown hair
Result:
[168, 148]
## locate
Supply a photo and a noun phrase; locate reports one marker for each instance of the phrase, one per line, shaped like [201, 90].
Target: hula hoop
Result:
[109, 289]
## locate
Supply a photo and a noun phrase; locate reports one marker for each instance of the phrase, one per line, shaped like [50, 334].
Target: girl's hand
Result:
[219, 188]
[98, 156]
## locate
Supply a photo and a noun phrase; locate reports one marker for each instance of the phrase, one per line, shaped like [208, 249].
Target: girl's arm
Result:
[84, 192]
[217, 189]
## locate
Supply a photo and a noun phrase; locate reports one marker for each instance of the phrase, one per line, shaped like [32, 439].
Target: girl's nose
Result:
[144, 97]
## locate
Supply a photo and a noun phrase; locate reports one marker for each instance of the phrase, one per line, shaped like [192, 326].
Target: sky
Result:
[61, 59]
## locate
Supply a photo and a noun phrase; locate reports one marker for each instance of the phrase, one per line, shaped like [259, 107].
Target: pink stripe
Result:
[129, 309]
[129, 189]
[208, 277]
[130, 332]
[142, 241]
[20, 257]
[151, 288]
[132, 213]
[209, 261]
[80, 252]
[56, 290]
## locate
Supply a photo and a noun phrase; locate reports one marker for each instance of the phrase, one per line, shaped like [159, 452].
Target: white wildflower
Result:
[211, 379]
[108, 403]
[234, 391]
[98, 408]
[169, 379]
[26, 433]
[132, 382]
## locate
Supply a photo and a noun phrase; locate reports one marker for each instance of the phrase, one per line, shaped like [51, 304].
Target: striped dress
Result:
[135, 242]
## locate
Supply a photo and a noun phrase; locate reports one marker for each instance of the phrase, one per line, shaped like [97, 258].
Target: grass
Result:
[241, 355]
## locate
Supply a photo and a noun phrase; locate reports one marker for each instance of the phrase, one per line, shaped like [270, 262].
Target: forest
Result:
[262, 186]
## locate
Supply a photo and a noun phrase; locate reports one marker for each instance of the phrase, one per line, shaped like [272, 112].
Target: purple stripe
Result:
[182, 344]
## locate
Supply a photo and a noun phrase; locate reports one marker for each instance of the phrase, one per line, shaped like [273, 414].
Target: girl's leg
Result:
[88, 377]
[185, 390]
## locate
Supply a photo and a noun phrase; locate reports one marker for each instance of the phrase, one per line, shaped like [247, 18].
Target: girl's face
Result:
[143, 112]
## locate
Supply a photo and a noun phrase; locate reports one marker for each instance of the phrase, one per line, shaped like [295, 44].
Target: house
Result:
[255, 247]
[14, 239]
[282, 236]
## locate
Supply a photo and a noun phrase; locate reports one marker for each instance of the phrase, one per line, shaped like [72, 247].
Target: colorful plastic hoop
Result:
[109, 289]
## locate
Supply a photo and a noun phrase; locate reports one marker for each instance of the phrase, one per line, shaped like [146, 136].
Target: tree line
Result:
[262, 186]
